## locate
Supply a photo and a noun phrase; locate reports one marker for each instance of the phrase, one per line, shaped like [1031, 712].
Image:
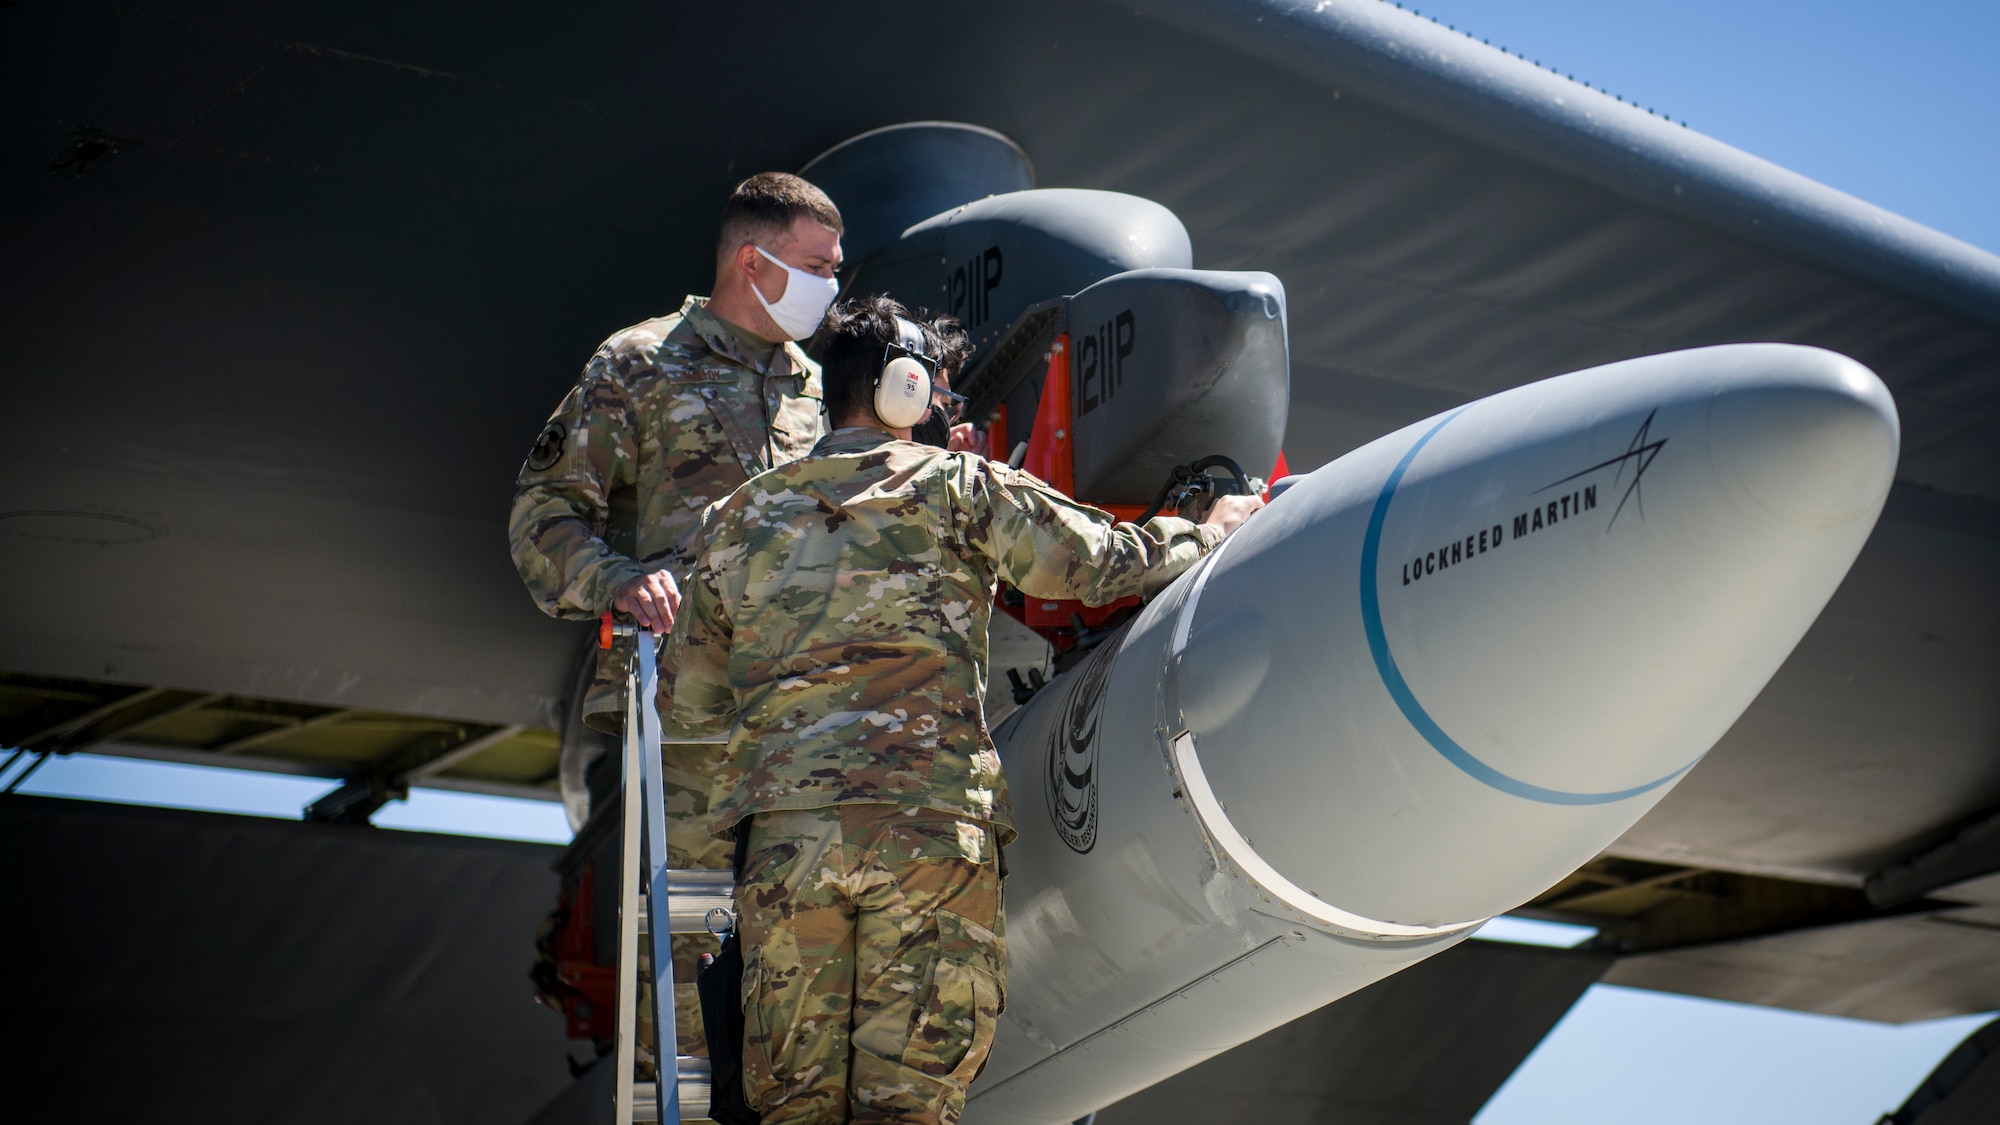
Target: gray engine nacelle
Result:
[1168, 363]
[1167, 366]
[987, 261]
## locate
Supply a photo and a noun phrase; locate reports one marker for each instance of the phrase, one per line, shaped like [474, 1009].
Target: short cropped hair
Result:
[762, 209]
[851, 343]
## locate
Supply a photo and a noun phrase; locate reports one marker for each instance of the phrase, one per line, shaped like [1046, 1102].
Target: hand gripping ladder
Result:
[674, 902]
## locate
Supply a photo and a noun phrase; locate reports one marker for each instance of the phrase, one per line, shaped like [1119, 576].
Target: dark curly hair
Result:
[851, 341]
[954, 346]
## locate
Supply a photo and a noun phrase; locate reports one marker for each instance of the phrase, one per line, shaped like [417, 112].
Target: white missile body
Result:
[1426, 683]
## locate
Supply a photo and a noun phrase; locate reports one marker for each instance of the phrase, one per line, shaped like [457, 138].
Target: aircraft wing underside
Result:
[290, 293]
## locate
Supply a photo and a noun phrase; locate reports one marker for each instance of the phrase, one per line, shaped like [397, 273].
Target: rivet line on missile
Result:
[1406, 700]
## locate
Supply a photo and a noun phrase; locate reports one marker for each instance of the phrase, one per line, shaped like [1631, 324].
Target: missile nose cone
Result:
[1817, 449]
[1440, 673]
[1423, 685]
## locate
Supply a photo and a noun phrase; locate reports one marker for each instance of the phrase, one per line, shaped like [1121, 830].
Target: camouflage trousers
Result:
[874, 963]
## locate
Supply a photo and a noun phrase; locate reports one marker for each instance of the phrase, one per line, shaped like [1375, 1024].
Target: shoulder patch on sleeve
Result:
[553, 457]
[548, 447]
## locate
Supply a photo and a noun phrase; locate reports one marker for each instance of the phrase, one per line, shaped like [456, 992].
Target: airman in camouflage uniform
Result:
[669, 416]
[835, 627]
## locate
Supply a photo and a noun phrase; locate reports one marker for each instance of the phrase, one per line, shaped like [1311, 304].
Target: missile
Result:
[1427, 682]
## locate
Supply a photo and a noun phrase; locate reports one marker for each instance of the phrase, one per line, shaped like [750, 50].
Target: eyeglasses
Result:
[953, 405]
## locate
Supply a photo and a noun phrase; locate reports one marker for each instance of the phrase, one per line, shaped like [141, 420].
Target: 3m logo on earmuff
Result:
[903, 389]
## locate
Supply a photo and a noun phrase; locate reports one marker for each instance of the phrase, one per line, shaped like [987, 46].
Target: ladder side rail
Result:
[666, 1029]
[625, 1058]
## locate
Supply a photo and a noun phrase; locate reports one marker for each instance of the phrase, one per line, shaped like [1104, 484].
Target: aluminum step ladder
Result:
[654, 903]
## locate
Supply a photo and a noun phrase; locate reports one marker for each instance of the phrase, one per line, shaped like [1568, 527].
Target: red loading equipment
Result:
[1051, 458]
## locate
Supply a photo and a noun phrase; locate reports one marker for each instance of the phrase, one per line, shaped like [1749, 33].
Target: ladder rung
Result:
[691, 894]
[694, 1092]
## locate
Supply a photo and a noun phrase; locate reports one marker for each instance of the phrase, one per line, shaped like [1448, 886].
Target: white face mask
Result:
[806, 298]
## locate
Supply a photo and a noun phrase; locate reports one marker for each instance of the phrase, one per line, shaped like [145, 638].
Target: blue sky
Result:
[1897, 104]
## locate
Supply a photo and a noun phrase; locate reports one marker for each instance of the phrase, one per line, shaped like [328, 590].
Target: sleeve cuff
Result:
[612, 575]
[1171, 528]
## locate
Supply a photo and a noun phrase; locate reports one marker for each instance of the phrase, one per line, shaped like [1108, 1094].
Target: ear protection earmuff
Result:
[903, 389]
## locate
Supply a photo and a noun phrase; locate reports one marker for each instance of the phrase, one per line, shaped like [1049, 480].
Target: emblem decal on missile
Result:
[1072, 767]
[1638, 456]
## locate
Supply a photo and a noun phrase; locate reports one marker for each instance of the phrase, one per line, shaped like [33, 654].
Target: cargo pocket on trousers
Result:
[953, 1034]
[756, 1048]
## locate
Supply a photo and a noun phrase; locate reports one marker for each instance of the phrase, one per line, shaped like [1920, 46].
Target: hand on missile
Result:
[1229, 511]
[650, 599]
[966, 439]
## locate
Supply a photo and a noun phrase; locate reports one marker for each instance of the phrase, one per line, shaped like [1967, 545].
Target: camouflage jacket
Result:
[669, 416]
[835, 621]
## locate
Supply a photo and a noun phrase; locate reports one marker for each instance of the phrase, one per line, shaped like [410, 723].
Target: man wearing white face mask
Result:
[670, 415]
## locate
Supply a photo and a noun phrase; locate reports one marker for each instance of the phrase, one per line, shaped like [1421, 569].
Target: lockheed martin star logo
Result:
[1638, 457]
[1550, 508]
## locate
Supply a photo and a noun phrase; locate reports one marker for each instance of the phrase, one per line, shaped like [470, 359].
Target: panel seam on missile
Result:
[1185, 622]
[1215, 819]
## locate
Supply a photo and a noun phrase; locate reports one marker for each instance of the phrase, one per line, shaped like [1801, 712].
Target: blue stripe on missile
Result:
[1399, 690]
